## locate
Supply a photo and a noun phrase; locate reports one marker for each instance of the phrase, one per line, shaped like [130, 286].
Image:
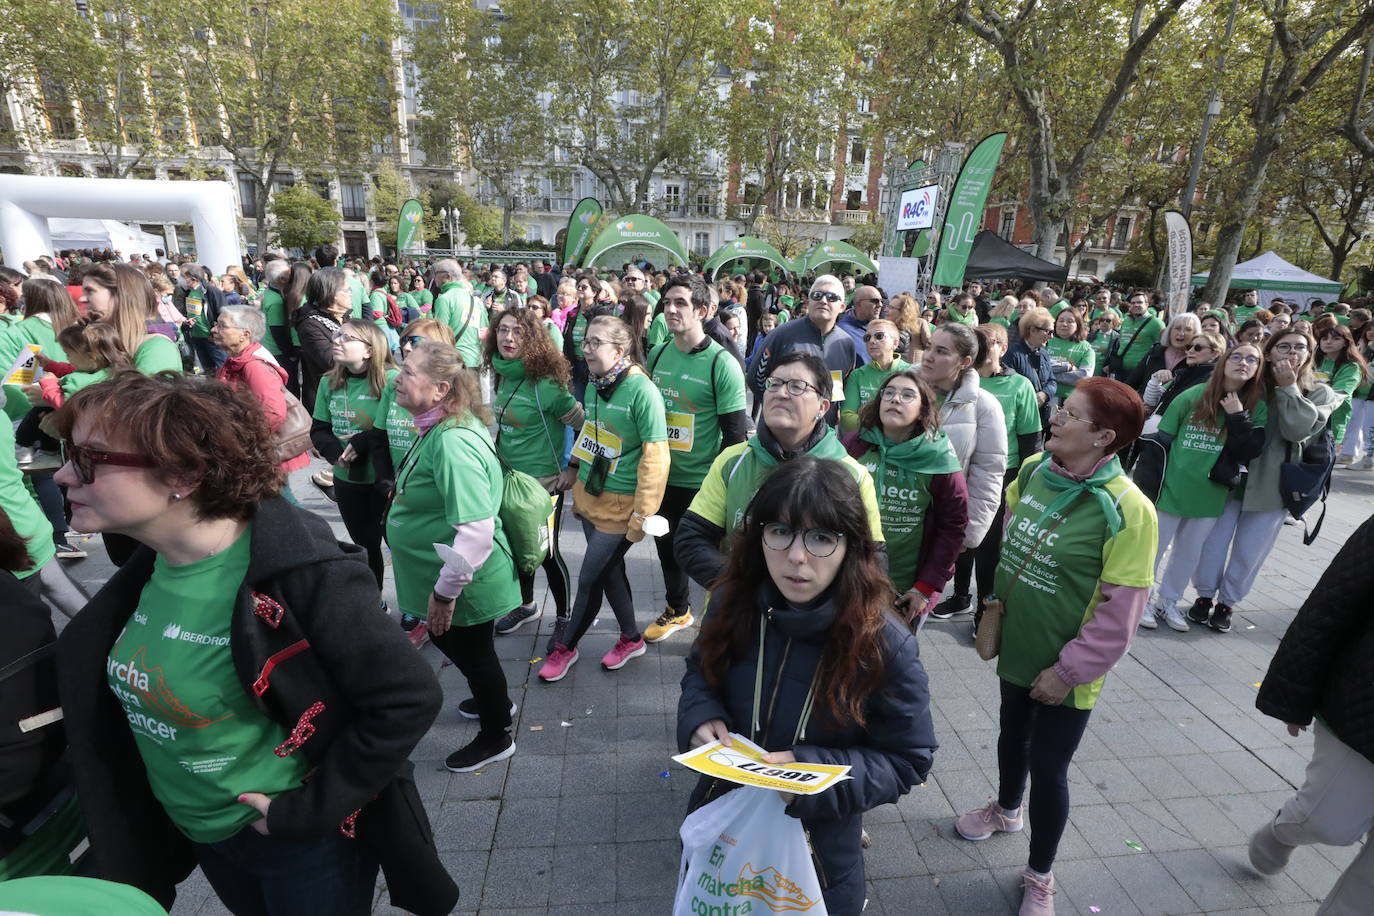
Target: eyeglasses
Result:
[877, 335]
[901, 395]
[83, 461]
[793, 386]
[341, 337]
[582, 286]
[632, 280]
[1243, 359]
[817, 541]
[1198, 348]
[595, 343]
[1063, 414]
[820, 295]
[1043, 328]
[1290, 348]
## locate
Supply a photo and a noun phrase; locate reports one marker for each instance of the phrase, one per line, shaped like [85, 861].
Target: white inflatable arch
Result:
[27, 202]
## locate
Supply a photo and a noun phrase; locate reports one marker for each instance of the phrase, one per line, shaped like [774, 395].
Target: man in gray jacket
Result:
[817, 333]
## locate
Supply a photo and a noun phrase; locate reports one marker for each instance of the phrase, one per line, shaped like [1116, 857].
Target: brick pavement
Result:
[1176, 760]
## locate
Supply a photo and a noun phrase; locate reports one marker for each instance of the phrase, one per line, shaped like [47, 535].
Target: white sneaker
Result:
[1364, 464]
[1174, 618]
[1147, 620]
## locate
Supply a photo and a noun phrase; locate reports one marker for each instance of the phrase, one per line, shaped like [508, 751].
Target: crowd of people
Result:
[831, 465]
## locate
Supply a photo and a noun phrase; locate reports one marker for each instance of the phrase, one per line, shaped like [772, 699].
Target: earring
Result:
[176, 497]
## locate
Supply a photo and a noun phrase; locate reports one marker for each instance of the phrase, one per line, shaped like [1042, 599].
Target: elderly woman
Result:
[239, 332]
[1073, 579]
[448, 491]
[232, 698]
[1030, 356]
[1170, 352]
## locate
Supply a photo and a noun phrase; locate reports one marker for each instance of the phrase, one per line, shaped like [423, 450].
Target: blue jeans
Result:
[603, 572]
[256, 875]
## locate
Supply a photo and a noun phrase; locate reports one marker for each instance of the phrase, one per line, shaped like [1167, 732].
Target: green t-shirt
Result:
[17, 501]
[618, 428]
[901, 474]
[1244, 313]
[530, 438]
[1150, 328]
[195, 310]
[48, 851]
[1343, 381]
[69, 895]
[452, 477]
[349, 410]
[658, 331]
[1078, 354]
[398, 424]
[653, 296]
[274, 314]
[1187, 491]
[157, 354]
[424, 299]
[202, 739]
[698, 388]
[1100, 341]
[862, 386]
[457, 308]
[377, 308]
[359, 294]
[579, 333]
[1016, 394]
[1051, 570]
[13, 340]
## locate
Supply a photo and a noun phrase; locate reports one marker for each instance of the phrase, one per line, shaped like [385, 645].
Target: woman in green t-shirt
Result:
[1073, 579]
[1104, 334]
[448, 491]
[1226, 412]
[1071, 356]
[622, 459]
[1358, 438]
[347, 405]
[881, 338]
[1343, 369]
[123, 296]
[533, 409]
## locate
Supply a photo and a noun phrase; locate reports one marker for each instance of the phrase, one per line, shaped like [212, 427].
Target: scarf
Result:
[767, 445]
[1066, 490]
[426, 421]
[511, 370]
[928, 453]
[621, 366]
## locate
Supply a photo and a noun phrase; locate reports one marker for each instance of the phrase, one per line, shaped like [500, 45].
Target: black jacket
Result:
[1036, 366]
[316, 331]
[1185, 377]
[889, 755]
[379, 699]
[1322, 666]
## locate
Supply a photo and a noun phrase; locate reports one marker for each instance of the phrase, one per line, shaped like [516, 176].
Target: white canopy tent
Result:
[103, 233]
[1274, 278]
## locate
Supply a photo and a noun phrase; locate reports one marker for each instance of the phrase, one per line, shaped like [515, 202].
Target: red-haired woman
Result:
[1074, 577]
[805, 601]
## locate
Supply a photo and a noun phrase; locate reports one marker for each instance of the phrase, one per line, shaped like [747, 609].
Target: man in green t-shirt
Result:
[703, 395]
[1249, 305]
[456, 308]
[1139, 332]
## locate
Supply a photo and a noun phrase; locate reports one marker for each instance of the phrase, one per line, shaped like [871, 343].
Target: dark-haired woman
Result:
[533, 407]
[801, 654]
[922, 498]
[1074, 578]
[1341, 367]
[233, 698]
[328, 302]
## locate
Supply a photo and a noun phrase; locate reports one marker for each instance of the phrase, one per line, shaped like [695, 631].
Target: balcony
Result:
[804, 214]
[852, 217]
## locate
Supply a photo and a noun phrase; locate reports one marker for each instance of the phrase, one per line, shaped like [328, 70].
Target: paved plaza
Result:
[1175, 771]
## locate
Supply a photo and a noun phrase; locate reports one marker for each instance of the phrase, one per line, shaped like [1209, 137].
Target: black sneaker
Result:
[326, 488]
[516, 619]
[1201, 608]
[954, 604]
[468, 708]
[1221, 619]
[559, 636]
[483, 749]
[409, 622]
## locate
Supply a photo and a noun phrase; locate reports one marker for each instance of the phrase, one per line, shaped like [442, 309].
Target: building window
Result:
[1121, 235]
[248, 196]
[703, 205]
[354, 199]
[58, 108]
[857, 154]
[701, 243]
[282, 181]
[1008, 227]
[854, 199]
[672, 196]
[1088, 266]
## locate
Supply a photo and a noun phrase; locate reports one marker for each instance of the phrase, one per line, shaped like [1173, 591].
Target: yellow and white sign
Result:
[681, 427]
[25, 369]
[595, 439]
[742, 762]
[836, 386]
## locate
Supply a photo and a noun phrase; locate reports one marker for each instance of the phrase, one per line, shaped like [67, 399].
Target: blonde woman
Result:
[905, 313]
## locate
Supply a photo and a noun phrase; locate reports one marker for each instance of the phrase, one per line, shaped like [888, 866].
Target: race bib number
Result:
[680, 431]
[25, 369]
[194, 306]
[742, 763]
[594, 440]
[836, 386]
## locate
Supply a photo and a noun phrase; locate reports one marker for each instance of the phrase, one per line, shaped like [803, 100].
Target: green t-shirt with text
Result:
[1016, 394]
[697, 388]
[1133, 351]
[618, 428]
[398, 424]
[529, 437]
[349, 410]
[202, 739]
[1078, 354]
[1187, 491]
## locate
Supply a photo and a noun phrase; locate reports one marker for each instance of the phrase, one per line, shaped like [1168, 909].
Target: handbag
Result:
[1151, 461]
[987, 641]
[292, 437]
[1305, 482]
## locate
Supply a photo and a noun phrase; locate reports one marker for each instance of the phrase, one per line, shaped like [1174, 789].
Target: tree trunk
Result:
[1232, 232]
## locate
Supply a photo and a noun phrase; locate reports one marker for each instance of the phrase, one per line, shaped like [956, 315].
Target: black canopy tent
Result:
[994, 258]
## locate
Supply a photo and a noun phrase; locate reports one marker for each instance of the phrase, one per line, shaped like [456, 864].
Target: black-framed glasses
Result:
[901, 395]
[83, 460]
[820, 295]
[793, 386]
[817, 541]
[1198, 348]
[877, 335]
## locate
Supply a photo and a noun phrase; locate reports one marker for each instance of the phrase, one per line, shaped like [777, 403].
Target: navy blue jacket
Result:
[889, 755]
[1034, 365]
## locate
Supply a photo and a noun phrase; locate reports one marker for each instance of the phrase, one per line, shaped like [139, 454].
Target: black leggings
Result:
[675, 583]
[473, 650]
[555, 570]
[982, 560]
[361, 506]
[1038, 741]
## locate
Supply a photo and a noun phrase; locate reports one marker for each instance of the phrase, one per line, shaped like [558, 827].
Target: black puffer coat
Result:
[1322, 666]
[889, 755]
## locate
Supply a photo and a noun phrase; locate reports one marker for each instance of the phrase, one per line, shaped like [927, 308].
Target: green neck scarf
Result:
[1066, 490]
[509, 369]
[928, 453]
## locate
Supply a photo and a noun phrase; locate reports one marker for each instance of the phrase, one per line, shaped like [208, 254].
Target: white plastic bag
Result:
[743, 854]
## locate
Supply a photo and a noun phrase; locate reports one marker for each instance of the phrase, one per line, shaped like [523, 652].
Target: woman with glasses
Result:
[533, 406]
[1030, 356]
[922, 497]
[973, 420]
[347, 405]
[1199, 359]
[1073, 580]
[419, 291]
[1343, 369]
[232, 698]
[801, 655]
[591, 300]
[1297, 407]
[564, 303]
[327, 302]
[1103, 335]
[795, 401]
[1226, 416]
[1072, 358]
[622, 462]
[881, 339]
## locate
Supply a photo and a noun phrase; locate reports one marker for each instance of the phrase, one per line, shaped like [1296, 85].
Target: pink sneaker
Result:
[556, 666]
[419, 634]
[1038, 899]
[623, 650]
[983, 823]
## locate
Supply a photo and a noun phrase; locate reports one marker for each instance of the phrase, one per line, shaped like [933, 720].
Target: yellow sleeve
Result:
[709, 503]
[869, 495]
[849, 420]
[649, 485]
